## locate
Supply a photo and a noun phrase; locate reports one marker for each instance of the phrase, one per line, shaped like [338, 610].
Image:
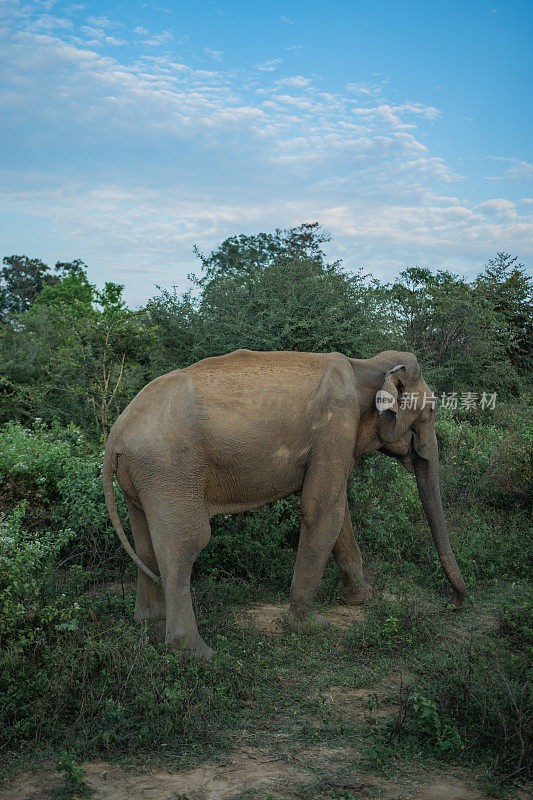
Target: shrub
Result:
[392, 626]
[490, 459]
[473, 695]
[60, 473]
[88, 676]
[258, 546]
[386, 510]
[26, 565]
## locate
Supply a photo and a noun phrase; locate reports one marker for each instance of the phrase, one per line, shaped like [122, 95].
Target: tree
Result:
[77, 354]
[71, 289]
[21, 281]
[510, 289]
[454, 329]
[271, 292]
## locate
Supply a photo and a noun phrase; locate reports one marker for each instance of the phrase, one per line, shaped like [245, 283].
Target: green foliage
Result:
[87, 671]
[386, 510]
[487, 479]
[258, 546]
[456, 330]
[21, 281]
[72, 291]
[473, 698]
[489, 461]
[72, 359]
[516, 624]
[74, 775]
[26, 563]
[442, 737]
[271, 292]
[467, 696]
[392, 627]
[510, 289]
[61, 473]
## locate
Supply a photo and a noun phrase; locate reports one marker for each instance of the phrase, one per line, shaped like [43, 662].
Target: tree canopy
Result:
[71, 351]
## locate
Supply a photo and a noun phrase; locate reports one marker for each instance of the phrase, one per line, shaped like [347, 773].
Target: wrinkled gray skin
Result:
[234, 432]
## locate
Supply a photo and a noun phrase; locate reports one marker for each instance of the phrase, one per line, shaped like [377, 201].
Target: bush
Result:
[258, 546]
[386, 509]
[488, 460]
[26, 565]
[473, 699]
[59, 473]
[80, 671]
[392, 626]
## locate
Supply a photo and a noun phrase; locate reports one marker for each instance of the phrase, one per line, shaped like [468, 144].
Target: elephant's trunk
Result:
[427, 478]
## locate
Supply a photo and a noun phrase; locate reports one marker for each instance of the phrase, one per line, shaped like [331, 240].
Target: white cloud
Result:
[104, 22]
[498, 207]
[159, 39]
[517, 169]
[47, 22]
[216, 55]
[370, 89]
[294, 80]
[270, 65]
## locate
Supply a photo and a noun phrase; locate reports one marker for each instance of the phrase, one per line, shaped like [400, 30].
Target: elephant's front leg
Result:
[322, 517]
[352, 587]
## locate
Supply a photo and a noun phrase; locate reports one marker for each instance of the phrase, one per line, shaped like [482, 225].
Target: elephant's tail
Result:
[108, 472]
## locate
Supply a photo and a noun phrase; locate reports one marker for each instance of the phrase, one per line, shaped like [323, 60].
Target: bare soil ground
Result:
[268, 617]
[248, 773]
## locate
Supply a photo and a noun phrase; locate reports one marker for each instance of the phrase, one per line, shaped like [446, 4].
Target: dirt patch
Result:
[356, 705]
[448, 789]
[267, 617]
[344, 616]
[246, 771]
[263, 617]
[366, 703]
[255, 771]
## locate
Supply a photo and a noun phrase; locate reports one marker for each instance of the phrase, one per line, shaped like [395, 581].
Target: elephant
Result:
[233, 432]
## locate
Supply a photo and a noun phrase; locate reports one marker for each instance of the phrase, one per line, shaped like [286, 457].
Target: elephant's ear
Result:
[397, 380]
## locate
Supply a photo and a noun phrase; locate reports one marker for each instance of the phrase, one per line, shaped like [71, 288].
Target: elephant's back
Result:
[237, 402]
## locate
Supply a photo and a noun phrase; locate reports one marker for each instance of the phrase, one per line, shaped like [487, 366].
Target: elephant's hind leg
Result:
[352, 587]
[150, 601]
[179, 533]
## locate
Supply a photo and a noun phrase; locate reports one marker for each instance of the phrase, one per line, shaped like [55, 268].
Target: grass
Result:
[291, 694]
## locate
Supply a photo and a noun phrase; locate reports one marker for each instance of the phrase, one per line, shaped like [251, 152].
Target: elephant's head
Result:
[401, 423]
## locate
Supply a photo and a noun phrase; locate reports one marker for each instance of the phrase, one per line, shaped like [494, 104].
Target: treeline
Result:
[73, 353]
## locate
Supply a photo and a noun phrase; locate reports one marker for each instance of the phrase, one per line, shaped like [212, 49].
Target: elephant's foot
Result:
[354, 594]
[298, 622]
[195, 644]
[157, 627]
[457, 600]
[200, 648]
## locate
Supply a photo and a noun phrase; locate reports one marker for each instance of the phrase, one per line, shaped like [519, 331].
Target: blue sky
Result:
[132, 131]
